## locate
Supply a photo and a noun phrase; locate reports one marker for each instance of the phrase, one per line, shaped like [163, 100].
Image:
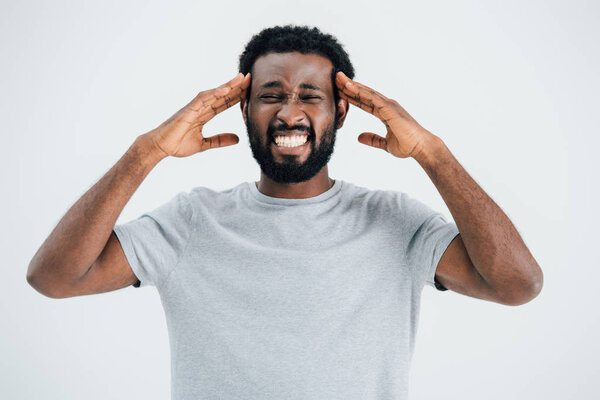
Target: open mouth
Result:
[291, 145]
[290, 140]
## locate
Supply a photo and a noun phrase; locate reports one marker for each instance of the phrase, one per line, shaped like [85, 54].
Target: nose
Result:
[291, 112]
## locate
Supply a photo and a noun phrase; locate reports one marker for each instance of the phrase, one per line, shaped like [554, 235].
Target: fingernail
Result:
[349, 83]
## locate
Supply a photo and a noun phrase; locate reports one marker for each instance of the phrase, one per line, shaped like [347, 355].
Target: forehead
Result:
[292, 70]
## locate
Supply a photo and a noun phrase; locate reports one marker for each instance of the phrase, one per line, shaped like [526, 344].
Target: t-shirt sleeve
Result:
[428, 235]
[155, 242]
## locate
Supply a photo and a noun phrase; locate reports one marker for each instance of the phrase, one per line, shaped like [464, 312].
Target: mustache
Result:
[282, 127]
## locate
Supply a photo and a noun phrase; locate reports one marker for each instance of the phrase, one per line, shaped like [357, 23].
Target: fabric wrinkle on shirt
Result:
[269, 298]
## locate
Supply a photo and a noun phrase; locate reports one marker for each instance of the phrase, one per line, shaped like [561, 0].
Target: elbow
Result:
[35, 280]
[524, 290]
[538, 283]
[535, 283]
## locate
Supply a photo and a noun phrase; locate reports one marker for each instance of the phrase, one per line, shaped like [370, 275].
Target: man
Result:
[296, 286]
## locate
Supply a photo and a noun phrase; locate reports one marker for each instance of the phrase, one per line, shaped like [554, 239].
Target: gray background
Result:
[511, 87]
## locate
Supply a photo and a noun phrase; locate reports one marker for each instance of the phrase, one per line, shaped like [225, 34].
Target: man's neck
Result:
[318, 184]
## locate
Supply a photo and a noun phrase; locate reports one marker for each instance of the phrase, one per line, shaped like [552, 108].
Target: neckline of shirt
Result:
[263, 198]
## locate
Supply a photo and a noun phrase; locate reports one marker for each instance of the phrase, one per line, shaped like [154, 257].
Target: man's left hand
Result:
[404, 137]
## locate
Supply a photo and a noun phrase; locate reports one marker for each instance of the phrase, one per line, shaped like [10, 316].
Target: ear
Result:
[341, 112]
[243, 105]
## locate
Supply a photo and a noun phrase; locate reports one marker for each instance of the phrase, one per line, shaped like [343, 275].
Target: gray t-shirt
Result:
[270, 298]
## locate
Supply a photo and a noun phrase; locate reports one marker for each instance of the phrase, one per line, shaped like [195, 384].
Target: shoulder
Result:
[204, 197]
[393, 203]
[376, 198]
[385, 205]
[202, 192]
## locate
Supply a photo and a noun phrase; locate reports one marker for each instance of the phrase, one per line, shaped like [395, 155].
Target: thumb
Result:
[371, 139]
[221, 140]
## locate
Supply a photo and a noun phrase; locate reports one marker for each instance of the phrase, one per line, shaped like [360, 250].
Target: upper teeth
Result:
[291, 141]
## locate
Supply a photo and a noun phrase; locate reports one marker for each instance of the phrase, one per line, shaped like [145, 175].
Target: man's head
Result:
[293, 98]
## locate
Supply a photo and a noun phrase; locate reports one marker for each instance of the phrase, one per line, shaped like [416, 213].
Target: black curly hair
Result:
[303, 39]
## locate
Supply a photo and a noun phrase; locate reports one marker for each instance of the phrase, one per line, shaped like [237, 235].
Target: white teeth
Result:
[291, 141]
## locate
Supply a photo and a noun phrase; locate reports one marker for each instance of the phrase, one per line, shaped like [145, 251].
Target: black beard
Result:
[291, 171]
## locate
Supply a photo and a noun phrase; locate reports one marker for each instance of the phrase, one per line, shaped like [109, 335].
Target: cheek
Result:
[322, 116]
[261, 114]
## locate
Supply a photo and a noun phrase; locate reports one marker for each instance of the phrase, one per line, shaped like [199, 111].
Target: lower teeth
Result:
[292, 145]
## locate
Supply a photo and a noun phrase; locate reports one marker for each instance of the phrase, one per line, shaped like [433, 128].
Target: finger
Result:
[221, 140]
[246, 82]
[370, 108]
[366, 101]
[228, 99]
[371, 139]
[359, 91]
[211, 109]
[224, 95]
[234, 94]
[238, 79]
[239, 82]
[201, 99]
[343, 81]
[206, 113]
[365, 95]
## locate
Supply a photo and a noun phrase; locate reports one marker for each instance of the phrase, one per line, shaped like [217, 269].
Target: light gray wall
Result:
[512, 88]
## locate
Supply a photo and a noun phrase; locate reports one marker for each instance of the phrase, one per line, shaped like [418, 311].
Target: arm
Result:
[81, 235]
[488, 259]
[82, 255]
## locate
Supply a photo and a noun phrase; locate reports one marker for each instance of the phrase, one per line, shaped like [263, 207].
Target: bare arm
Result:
[488, 259]
[505, 268]
[82, 255]
[81, 235]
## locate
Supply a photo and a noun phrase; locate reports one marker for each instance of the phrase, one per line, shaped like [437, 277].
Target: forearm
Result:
[81, 234]
[493, 244]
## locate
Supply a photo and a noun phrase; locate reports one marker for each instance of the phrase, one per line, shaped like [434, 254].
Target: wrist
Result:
[145, 149]
[432, 151]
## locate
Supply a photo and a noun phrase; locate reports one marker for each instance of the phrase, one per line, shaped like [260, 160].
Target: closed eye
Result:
[311, 99]
[271, 98]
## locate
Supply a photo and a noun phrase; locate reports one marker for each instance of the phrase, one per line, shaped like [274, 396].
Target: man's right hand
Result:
[181, 135]
[83, 255]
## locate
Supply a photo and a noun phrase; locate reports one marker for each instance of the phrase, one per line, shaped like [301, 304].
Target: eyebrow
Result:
[277, 84]
[309, 86]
